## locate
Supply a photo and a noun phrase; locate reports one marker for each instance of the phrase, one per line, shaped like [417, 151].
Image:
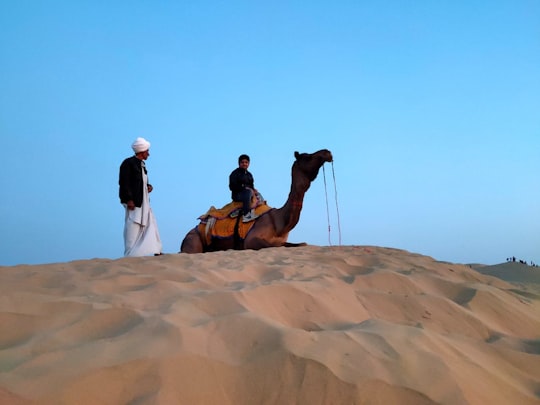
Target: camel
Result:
[272, 228]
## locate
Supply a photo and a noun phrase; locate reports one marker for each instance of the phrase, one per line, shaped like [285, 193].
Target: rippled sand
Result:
[309, 325]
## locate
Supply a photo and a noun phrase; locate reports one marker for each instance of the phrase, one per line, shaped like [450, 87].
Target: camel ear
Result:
[296, 154]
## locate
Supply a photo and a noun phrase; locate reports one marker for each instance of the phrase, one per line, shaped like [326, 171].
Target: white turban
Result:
[140, 145]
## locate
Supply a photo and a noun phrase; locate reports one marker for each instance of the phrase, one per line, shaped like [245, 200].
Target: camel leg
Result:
[261, 244]
[192, 243]
[289, 244]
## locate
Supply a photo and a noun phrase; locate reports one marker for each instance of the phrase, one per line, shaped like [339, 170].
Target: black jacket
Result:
[131, 181]
[240, 179]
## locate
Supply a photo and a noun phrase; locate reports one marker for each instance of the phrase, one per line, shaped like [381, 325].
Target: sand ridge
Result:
[309, 325]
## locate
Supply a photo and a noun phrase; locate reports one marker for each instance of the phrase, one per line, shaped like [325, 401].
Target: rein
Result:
[327, 209]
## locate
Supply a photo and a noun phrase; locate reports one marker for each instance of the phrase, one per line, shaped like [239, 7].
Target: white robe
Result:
[141, 235]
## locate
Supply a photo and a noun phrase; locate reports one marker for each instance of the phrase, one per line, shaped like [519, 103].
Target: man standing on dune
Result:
[141, 235]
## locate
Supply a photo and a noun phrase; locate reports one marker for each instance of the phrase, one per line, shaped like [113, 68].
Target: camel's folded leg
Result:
[289, 244]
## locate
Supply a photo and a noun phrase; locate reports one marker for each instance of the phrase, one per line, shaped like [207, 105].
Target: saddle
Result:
[221, 222]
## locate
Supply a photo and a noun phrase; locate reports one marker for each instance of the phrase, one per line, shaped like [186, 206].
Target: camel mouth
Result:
[329, 157]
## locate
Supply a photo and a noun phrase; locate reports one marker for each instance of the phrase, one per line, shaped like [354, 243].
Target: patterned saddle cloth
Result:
[220, 222]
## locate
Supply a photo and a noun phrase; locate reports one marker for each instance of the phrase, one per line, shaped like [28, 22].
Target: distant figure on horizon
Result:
[141, 235]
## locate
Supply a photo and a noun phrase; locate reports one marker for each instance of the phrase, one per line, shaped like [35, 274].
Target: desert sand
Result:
[308, 325]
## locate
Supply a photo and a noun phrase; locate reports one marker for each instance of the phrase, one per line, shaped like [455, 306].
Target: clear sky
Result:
[431, 109]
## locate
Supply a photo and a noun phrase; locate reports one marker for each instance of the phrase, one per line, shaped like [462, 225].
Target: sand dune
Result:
[310, 325]
[512, 271]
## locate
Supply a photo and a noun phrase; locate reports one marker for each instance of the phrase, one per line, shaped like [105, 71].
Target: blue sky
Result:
[431, 109]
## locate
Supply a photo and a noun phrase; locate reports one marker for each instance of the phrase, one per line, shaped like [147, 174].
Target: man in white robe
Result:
[141, 235]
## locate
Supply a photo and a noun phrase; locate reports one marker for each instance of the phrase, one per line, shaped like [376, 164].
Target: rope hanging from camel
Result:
[327, 211]
[327, 206]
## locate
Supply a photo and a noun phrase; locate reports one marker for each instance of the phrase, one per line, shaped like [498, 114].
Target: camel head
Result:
[310, 163]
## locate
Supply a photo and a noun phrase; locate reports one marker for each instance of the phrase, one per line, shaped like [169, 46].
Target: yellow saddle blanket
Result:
[220, 222]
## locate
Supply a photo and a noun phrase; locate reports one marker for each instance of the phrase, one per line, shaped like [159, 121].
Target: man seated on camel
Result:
[242, 187]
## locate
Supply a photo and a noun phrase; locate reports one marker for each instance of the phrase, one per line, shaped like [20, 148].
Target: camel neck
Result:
[293, 206]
